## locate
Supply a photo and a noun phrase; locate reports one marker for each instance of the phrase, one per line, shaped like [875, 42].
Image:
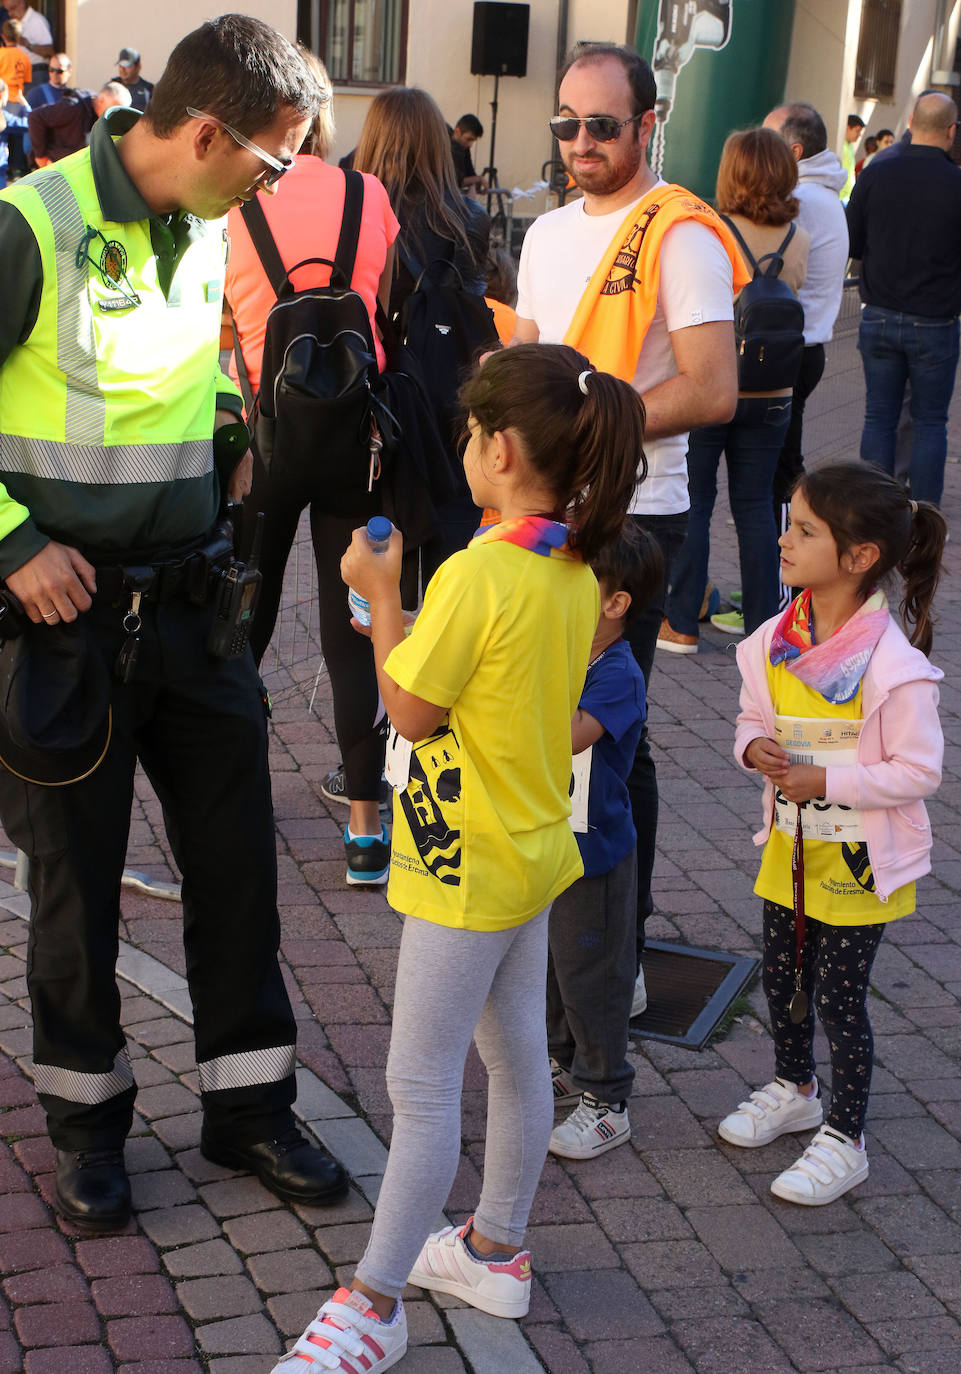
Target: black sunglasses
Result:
[601, 128]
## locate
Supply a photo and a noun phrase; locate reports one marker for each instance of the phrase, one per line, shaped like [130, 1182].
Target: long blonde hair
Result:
[320, 136]
[405, 144]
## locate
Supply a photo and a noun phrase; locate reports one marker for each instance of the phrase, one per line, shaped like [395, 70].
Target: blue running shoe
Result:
[368, 858]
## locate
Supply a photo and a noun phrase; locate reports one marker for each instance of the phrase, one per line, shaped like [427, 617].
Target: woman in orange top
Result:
[304, 217]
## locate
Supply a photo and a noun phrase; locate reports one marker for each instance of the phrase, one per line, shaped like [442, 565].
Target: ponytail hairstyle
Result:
[861, 504]
[582, 432]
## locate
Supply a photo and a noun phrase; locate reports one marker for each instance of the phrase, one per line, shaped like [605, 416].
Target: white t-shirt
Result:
[560, 253]
[35, 29]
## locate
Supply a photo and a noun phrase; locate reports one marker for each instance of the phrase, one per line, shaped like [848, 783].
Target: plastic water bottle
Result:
[379, 530]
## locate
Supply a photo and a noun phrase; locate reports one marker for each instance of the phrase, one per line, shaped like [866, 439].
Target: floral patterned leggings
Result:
[836, 967]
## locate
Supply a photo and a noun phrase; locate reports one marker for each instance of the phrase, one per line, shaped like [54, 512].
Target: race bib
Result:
[580, 790]
[830, 742]
[397, 761]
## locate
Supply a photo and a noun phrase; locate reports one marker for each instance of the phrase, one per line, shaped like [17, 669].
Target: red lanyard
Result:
[798, 1006]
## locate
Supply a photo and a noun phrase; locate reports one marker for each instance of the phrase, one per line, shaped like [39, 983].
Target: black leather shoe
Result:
[289, 1166]
[93, 1190]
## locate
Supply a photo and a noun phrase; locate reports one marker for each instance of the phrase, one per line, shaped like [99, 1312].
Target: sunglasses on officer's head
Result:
[601, 128]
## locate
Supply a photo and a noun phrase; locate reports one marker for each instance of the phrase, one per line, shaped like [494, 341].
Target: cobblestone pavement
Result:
[666, 1254]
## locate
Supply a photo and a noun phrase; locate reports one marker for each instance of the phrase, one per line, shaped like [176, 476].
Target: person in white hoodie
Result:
[820, 178]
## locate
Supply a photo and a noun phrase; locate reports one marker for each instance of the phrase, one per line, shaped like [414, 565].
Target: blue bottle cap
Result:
[379, 529]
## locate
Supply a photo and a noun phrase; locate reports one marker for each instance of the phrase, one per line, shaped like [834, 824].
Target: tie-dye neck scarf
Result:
[534, 532]
[836, 667]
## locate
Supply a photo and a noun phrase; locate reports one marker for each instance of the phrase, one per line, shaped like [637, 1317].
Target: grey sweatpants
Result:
[452, 986]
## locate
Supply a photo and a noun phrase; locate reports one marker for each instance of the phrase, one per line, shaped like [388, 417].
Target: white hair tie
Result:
[582, 380]
[914, 507]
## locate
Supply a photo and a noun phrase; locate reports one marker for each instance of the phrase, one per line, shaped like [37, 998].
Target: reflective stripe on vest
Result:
[88, 1088]
[118, 463]
[246, 1069]
[76, 348]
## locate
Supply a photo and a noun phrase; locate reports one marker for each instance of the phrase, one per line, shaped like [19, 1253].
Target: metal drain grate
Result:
[688, 992]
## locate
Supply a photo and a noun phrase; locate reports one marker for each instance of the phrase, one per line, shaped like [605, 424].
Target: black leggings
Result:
[348, 655]
[836, 968]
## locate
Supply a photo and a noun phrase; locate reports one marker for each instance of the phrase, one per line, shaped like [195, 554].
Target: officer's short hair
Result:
[240, 70]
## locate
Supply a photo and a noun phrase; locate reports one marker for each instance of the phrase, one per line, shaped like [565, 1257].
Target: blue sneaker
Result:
[368, 858]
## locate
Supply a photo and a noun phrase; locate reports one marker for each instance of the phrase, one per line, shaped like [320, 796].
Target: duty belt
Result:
[176, 575]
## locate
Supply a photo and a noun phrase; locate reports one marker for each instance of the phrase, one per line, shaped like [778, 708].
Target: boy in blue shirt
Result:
[592, 926]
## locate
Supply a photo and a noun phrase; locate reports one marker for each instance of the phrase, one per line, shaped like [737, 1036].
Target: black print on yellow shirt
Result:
[856, 858]
[431, 804]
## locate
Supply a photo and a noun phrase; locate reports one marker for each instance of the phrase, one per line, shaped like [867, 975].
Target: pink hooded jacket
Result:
[898, 758]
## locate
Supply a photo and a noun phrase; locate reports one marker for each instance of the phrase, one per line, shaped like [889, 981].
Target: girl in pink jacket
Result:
[839, 714]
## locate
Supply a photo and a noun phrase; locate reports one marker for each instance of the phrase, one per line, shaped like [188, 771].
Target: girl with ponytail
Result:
[839, 713]
[480, 699]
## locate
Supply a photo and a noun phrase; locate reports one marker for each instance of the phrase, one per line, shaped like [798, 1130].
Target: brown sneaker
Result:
[673, 641]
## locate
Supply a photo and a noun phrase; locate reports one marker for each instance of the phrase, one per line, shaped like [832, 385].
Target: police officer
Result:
[111, 276]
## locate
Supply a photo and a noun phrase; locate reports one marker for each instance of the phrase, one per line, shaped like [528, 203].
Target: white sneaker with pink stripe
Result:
[347, 1335]
[445, 1265]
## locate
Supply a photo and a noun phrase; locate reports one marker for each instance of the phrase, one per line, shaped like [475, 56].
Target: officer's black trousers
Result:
[198, 726]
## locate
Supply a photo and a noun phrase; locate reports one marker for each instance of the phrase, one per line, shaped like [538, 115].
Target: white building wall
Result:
[824, 54]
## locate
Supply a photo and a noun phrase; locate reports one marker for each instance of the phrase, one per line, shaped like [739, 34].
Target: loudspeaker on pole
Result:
[499, 44]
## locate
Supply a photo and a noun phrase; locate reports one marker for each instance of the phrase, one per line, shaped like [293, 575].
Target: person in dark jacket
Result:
[58, 130]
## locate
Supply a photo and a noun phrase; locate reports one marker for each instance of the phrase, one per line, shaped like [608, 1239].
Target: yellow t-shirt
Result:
[481, 837]
[838, 882]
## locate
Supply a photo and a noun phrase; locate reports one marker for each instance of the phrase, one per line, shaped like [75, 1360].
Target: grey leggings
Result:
[453, 985]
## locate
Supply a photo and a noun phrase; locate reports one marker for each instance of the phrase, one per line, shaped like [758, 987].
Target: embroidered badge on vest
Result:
[113, 262]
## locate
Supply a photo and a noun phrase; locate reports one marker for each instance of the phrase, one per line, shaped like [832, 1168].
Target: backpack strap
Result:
[752, 262]
[775, 260]
[346, 254]
[264, 242]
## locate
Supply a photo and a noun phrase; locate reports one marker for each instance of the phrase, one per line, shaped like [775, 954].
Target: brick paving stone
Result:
[154, 1337]
[206, 1259]
[657, 1356]
[36, 1154]
[262, 1231]
[162, 1367]
[578, 1247]
[818, 1336]
[160, 1188]
[697, 1178]
[919, 1143]
[179, 1225]
[139, 1294]
[290, 1271]
[671, 1264]
[761, 1285]
[730, 1343]
[238, 1197]
[353, 1207]
[237, 1364]
[557, 1350]
[344, 1244]
[87, 1359]
[917, 1333]
[169, 1099]
[239, 1336]
[116, 1256]
[59, 1283]
[743, 1237]
[32, 1250]
[646, 1219]
[54, 1323]
[145, 1154]
[912, 1226]
[226, 1296]
[21, 1212]
[859, 1252]
[619, 1173]
[292, 1312]
[181, 1131]
[424, 1326]
[677, 1304]
[603, 1306]
[940, 1273]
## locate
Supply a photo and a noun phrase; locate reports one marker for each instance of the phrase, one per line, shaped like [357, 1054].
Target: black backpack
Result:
[768, 322]
[319, 423]
[446, 328]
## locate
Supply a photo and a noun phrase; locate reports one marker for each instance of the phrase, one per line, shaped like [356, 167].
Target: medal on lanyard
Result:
[798, 1006]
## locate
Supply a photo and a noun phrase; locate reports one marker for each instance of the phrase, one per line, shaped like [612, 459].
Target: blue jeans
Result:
[751, 444]
[895, 348]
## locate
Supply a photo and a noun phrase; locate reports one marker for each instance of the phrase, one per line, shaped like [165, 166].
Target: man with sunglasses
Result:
[119, 445]
[681, 360]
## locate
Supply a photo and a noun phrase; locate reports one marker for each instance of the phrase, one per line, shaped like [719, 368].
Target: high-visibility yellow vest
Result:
[107, 409]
